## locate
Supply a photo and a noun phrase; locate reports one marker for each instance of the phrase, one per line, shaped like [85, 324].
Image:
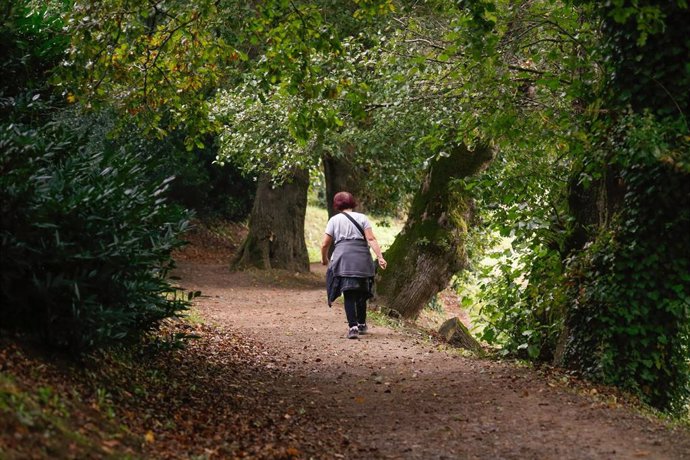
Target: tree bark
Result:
[340, 176]
[593, 207]
[431, 246]
[457, 335]
[276, 226]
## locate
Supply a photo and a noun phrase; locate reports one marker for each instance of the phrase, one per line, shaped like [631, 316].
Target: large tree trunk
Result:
[276, 226]
[340, 175]
[592, 208]
[627, 316]
[431, 246]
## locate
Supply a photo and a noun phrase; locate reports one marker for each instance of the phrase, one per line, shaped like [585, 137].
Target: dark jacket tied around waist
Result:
[351, 268]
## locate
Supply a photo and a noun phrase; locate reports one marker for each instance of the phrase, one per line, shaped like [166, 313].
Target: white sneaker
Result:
[353, 333]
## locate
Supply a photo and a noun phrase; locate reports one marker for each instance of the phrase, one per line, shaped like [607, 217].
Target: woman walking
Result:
[350, 269]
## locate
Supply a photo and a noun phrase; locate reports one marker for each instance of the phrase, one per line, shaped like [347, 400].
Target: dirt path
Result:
[396, 395]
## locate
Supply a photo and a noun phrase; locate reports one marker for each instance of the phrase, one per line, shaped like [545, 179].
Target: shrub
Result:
[86, 239]
[523, 302]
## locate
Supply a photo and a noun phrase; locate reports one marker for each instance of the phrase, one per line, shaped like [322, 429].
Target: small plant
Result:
[104, 402]
[435, 304]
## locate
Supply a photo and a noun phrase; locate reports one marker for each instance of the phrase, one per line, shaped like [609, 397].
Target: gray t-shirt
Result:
[339, 227]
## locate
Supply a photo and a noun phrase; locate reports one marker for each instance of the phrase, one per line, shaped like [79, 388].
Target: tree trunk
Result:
[592, 209]
[457, 335]
[431, 246]
[276, 226]
[340, 176]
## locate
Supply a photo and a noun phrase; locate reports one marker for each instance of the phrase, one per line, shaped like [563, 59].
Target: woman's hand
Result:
[382, 263]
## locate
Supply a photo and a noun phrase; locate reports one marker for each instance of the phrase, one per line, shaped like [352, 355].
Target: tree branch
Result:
[425, 41]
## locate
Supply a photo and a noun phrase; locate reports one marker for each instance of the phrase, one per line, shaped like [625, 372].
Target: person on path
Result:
[351, 269]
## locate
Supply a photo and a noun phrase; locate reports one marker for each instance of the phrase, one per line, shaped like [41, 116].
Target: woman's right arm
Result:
[373, 242]
[325, 244]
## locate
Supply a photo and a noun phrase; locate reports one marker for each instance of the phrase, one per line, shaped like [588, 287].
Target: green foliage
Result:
[86, 232]
[647, 45]
[162, 62]
[257, 135]
[528, 62]
[295, 36]
[157, 62]
[32, 46]
[631, 299]
[523, 298]
[211, 190]
[86, 239]
[622, 302]
[629, 316]
[521, 290]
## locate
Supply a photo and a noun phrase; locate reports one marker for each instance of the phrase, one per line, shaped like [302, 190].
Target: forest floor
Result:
[271, 375]
[397, 392]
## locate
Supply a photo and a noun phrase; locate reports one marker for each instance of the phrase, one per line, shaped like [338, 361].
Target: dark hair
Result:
[344, 200]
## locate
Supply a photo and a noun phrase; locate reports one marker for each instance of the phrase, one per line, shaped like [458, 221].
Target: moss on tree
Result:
[431, 246]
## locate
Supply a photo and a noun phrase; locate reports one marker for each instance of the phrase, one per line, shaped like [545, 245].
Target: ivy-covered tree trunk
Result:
[276, 226]
[628, 321]
[593, 206]
[431, 246]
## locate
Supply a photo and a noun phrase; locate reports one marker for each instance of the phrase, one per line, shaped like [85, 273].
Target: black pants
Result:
[355, 307]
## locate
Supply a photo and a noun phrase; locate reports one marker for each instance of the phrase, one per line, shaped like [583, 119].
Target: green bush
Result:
[86, 239]
[523, 302]
[210, 190]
